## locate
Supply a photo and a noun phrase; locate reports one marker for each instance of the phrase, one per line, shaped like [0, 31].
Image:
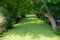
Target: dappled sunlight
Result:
[29, 37]
[37, 22]
[31, 30]
[31, 20]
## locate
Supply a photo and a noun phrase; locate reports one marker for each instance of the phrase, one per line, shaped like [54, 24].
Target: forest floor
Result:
[30, 29]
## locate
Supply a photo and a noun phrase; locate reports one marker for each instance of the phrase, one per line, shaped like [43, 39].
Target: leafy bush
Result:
[16, 9]
[13, 10]
[53, 6]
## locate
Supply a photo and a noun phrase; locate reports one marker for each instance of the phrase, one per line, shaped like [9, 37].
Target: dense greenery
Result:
[53, 6]
[14, 10]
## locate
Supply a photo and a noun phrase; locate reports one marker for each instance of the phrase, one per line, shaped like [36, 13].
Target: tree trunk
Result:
[52, 20]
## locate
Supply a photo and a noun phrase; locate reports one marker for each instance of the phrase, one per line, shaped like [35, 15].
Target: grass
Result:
[30, 29]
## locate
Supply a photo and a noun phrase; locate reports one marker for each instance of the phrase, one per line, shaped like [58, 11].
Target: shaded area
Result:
[36, 28]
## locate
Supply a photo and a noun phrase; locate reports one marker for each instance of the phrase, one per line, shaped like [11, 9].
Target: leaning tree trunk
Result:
[49, 16]
[52, 20]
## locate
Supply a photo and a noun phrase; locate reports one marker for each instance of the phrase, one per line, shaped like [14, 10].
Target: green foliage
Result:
[13, 8]
[57, 30]
[9, 11]
[53, 6]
